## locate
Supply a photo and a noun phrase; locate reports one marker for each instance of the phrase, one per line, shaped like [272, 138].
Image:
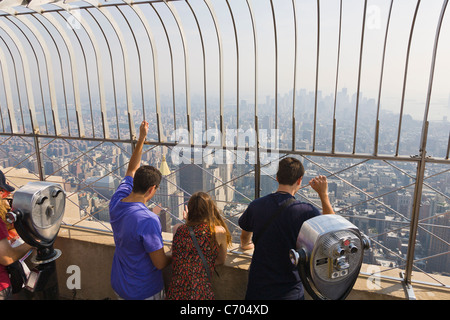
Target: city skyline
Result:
[345, 115]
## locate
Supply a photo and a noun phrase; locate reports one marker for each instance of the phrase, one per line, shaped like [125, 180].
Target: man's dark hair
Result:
[289, 171]
[144, 178]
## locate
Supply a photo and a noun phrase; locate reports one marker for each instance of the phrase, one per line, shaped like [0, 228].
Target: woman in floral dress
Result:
[189, 278]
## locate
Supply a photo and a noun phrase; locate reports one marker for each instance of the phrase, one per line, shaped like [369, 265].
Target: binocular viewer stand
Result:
[37, 212]
[328, 255]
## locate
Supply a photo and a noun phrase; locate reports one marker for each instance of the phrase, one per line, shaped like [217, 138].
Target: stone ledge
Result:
[93, 253]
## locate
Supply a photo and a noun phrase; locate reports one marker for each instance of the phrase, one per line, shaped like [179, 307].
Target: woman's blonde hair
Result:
[201, 208]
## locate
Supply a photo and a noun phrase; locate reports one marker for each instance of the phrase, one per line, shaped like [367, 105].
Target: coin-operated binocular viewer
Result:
[37, 211]
[329, 253]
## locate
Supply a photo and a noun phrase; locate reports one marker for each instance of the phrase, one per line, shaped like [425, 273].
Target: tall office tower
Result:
[215, 178]
[166, 221]
[437, 246]
[191, 175]
[168, 195]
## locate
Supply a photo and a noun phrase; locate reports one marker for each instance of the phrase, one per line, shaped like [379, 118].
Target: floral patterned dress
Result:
[189, 278]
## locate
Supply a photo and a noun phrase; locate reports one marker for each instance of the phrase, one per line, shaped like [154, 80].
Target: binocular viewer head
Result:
[329, 253]
[37, 212]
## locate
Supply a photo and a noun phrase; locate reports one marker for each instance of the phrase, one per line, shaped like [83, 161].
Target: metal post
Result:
[421, 168]
[358, 91]
[317, 77]
[38, 156]
[258, 163]
[415, 218]
[294, 89]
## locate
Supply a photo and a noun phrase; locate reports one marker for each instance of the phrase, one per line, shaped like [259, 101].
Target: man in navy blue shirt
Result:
[272, 275]
[139, 256]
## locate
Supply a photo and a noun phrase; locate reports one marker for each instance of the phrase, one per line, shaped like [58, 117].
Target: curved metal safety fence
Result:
[358, 90]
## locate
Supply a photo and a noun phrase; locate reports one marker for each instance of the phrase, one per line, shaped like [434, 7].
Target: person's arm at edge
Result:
[159, 259]
[326, 205]
[221, 238]
[246, 236]
[9, 254]
[320, 185]
[135, 160]
[246, 240]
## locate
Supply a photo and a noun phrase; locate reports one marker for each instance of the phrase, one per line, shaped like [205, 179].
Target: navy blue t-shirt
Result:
[272, 275]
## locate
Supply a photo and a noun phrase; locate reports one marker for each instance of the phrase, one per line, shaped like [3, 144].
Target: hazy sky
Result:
[269, 61]
[306, 15]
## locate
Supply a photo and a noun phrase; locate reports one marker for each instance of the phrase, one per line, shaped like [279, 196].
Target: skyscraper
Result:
[168, 196]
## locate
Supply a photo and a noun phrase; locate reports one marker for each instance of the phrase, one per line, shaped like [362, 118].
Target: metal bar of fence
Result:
[175, 15]
[38, 71]
[415, 213]
[15, 70]
[81, 127]
[126, 64]
[377, 122]
[317, 77]
[237, 66]
[255, 48]
[25, 66]
[220, 50]
[141, 81]
[405, 76]
[1, 113]
[275, 38]
[359, 74]
[294, 87]
[49, 67]
[101, 86]
[99, 63]
[6, 78]
[448, 147]
[137, 10]
[74, 70]
[63, 80]
[333, 138]
[171, 67]
[8, 92]
[205, 96]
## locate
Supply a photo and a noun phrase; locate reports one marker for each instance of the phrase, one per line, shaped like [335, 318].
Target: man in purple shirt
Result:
[139, 256]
